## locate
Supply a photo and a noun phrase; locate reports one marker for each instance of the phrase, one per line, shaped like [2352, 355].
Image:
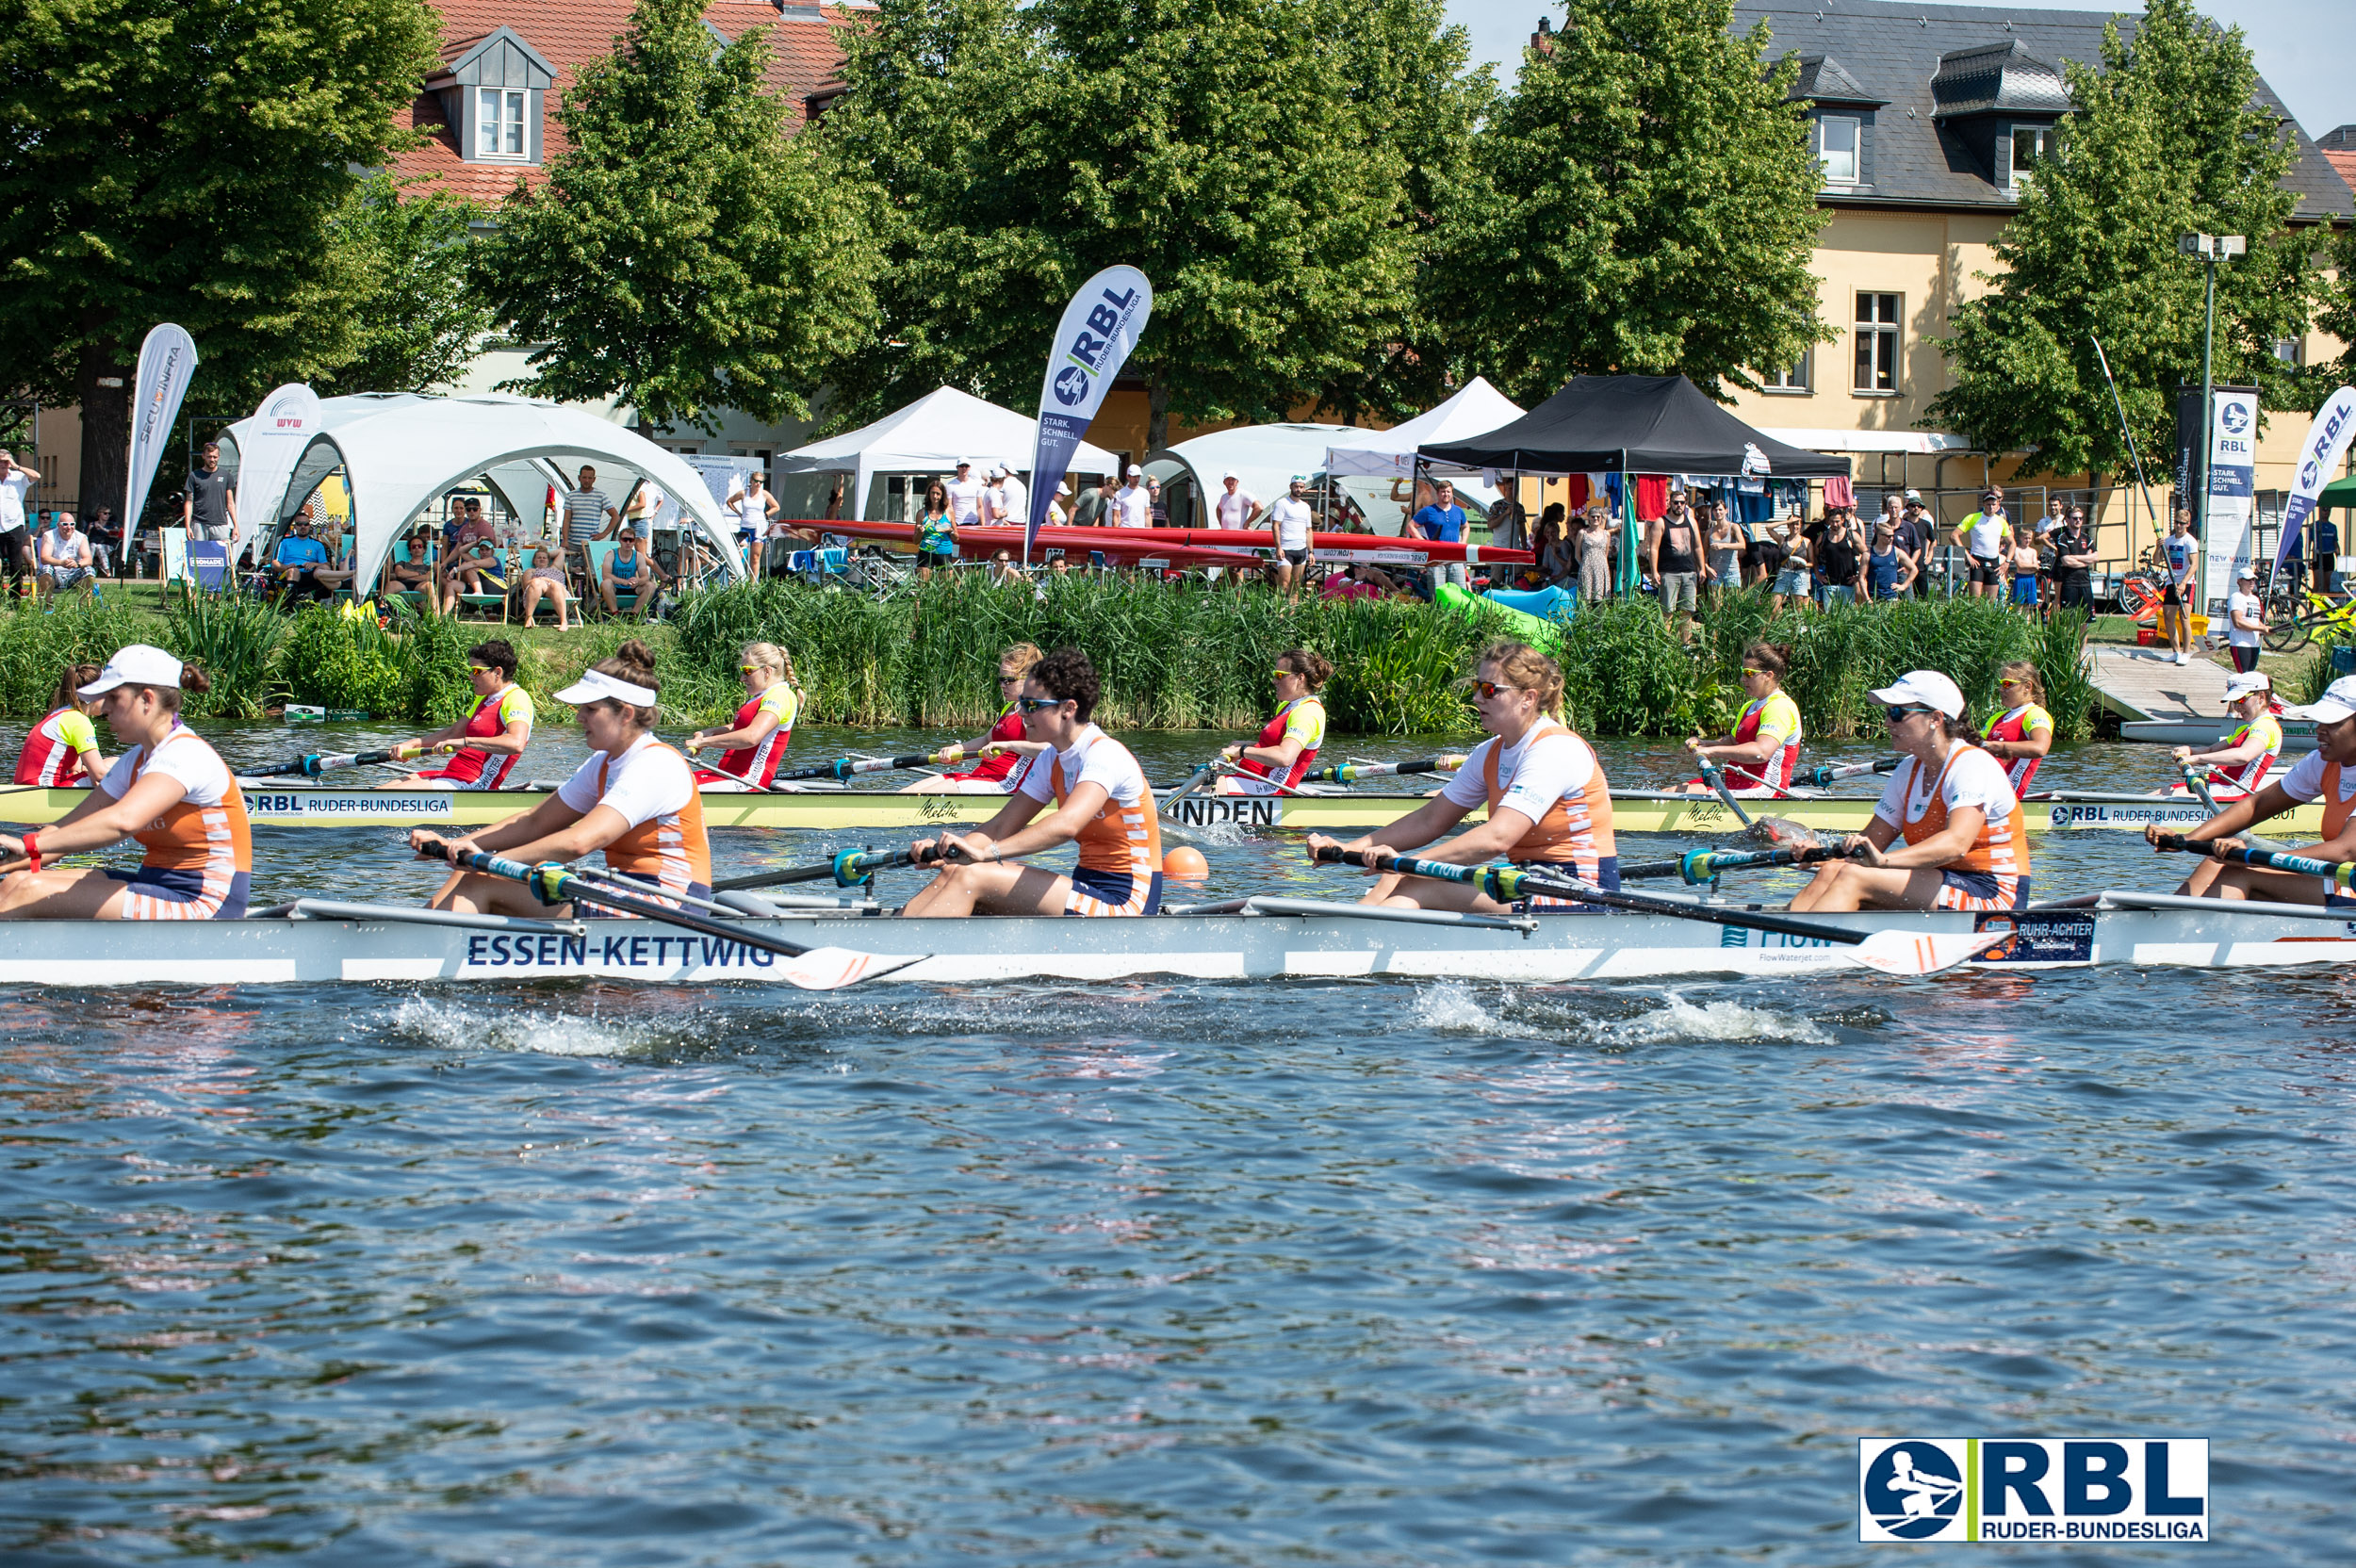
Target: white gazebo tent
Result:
[1475, 409]
[927, 437]
[402, 451]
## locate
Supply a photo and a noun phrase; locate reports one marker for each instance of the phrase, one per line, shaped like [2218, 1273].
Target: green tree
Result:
[2336, 312]
[683, 253]
[1257, 159]
[417, 320]
[2166, 141]
[179, 161]
[1645, 204]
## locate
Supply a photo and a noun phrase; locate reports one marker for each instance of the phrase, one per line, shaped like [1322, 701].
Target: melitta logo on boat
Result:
[2089, 1490]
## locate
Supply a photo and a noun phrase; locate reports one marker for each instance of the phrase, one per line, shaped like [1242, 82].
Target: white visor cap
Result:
[597, 686]
[2337, 702]
[1927, 688]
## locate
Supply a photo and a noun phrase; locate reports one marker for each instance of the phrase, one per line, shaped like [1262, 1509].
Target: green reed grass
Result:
[37, 645]
[234, 638]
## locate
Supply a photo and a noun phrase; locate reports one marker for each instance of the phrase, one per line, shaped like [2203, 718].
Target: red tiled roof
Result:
[803, 58]
[2345, 162]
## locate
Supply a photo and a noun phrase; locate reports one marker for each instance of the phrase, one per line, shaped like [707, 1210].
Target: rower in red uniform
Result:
[2021, 736]
[2329, 774]
[1102, 803]
[1001, 751]
[485, 743]
[635, 798]
[1289, 742]
[754, 743]
[62, 750]
[1967, 837]
[1550, 806]
[2238, 764]
[1765, 747]
[169, 790]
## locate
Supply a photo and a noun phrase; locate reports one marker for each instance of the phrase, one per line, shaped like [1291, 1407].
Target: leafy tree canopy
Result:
[2167, 140]
[416, 322]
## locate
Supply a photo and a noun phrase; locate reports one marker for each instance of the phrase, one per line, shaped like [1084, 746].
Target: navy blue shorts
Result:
[1100, 892]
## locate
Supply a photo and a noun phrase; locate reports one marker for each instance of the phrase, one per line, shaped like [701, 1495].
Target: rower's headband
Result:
[595, 685]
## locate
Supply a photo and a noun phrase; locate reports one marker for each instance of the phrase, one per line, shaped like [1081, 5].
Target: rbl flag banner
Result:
[282, 429]
[1099, 328]
[2327, 438]
[167, 360]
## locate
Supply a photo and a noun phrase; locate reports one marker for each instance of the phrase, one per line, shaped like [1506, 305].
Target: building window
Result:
[500, 123]
[1839, 140]
[1793, 377]
[1876, 343]
[2028, 149]
[2290, 350]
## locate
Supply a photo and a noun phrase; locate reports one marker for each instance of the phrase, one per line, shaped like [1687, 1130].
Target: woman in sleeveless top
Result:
[1289, 742]
[1966, 837]
[169, 790]
[1548, 803]
[635, 798]
[62, 749]
[999, 752]
[754, 744]
[1594, 555]
[484, 744]
[2327, 773]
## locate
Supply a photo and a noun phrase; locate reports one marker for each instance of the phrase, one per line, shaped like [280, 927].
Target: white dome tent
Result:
[402, 452]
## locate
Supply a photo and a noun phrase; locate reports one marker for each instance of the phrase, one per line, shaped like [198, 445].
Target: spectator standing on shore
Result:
[2024, 562]
[1594, 554]
[1915, 536]
[16, 542]
[2245, 617]
[1725, 551]
[1018, 497]
[2073, 563]
[1839, 561]
[1889, 570]
[208, 508]
[1762, 559]
[2179, 558]
[1133, 503]
[65, 558]
[588, 517]
[750, 503]
[1095, 500]
[1234, 506]
[1442, 522]
[965, 495]
[1794, 578]
[935, 534]
[1982, 537]
[1291, 518]
[1674, 557]
[2327, 548]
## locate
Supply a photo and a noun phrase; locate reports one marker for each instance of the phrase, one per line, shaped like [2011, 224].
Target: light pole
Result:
[2210, 246]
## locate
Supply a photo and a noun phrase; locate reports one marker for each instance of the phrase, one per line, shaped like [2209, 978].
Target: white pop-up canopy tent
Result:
[1475, 409]
[1264, 458]
[402, 451]
[927, 437]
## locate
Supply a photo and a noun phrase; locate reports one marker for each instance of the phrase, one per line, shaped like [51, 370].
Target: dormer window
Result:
[2028, 149]
[1839, 138]
[500, 126]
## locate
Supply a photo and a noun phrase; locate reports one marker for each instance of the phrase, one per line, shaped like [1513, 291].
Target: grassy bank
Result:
[1179, 656]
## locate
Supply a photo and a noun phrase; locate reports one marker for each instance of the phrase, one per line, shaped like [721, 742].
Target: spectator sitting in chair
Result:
[65, 558]
[631, 570]
[417, 575]
[299, 567]
[544, 576]
[478, 567]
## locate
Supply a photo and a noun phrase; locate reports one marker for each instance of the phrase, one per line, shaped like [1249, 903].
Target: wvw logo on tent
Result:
[2060, 1489]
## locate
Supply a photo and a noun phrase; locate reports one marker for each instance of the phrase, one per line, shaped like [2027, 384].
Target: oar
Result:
[1820, 776]
[848, 869]
[312, 764]
[2199, 786]
[1890, 952]
[1348, 773]
[815, 969]
[849, 767]
[1705, 865]
[2341, 874]
[753, 786]
[1203, 775]
[1717, 781]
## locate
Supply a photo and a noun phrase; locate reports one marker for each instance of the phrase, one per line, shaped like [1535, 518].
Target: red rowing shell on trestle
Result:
[1187, 546]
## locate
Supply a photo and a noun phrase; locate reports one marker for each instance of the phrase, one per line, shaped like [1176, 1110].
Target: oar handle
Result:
[1698, 866]
[1345, 773]
[312, 764]
[1827, 773]
[552, 883]
[2339, 872]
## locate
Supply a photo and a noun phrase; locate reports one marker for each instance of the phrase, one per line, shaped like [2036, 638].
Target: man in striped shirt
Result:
[588, 516]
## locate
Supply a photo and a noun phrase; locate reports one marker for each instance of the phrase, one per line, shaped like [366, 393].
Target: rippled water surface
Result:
[1367, 1273]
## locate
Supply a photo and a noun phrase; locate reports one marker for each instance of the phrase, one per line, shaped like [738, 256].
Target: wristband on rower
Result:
[32, 851]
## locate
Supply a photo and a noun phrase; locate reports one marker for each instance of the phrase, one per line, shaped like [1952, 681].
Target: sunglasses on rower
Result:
[1037, 705]
[1893, 715]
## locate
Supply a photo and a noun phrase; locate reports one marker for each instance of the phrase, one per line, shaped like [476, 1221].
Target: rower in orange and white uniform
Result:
[485, 743]
[2021, 736]
[1549, 805]
[1280, 759]
[1966, 836]
[2327, 773]
[62, 750]
[1758, 758]
[1001, 751]
[635, 798]
[169, 790]
[2239, 763]
[755, 742]
[1102, 802]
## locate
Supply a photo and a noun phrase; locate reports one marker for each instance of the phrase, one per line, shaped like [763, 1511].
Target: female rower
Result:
[635, 798]
[2238, 764]
[168, 790]
[1288, 743]
[1967, 839]
[755, 740]
[62, 750]
[2328, 772]
[1102, 802]
[1765, 747]
[485, 743]
[1548, 804]
[1002, 750]
[2020, 735]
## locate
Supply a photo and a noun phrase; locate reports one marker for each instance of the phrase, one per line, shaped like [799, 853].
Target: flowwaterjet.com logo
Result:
[2087, 1490]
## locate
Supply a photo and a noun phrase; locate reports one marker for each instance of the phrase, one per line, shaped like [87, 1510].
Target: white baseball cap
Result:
[1134, 470]
[1929, 688]
[140, 664]
[2242, 682]
[1914, 494]
[1228, 474]
[1298, 479]
[2337, 702]
[999, 470]
[965, 462]
[2248, 573]
[595, 685]
[1063, 487]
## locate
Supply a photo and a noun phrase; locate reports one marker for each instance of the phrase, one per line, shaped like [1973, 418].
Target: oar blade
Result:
[1912, 953]
[831, 968]
[1780, 833]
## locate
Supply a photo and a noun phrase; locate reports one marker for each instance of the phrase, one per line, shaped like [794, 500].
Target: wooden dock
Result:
[2171, 704]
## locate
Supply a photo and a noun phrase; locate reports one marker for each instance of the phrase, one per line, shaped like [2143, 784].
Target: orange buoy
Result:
[1186, 862]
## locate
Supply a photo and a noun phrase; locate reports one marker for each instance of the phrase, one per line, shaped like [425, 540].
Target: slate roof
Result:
[803, 61]
[1825, 80]
[1891, 50]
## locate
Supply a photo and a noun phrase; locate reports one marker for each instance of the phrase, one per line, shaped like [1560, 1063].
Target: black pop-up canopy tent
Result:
[1632, 425]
